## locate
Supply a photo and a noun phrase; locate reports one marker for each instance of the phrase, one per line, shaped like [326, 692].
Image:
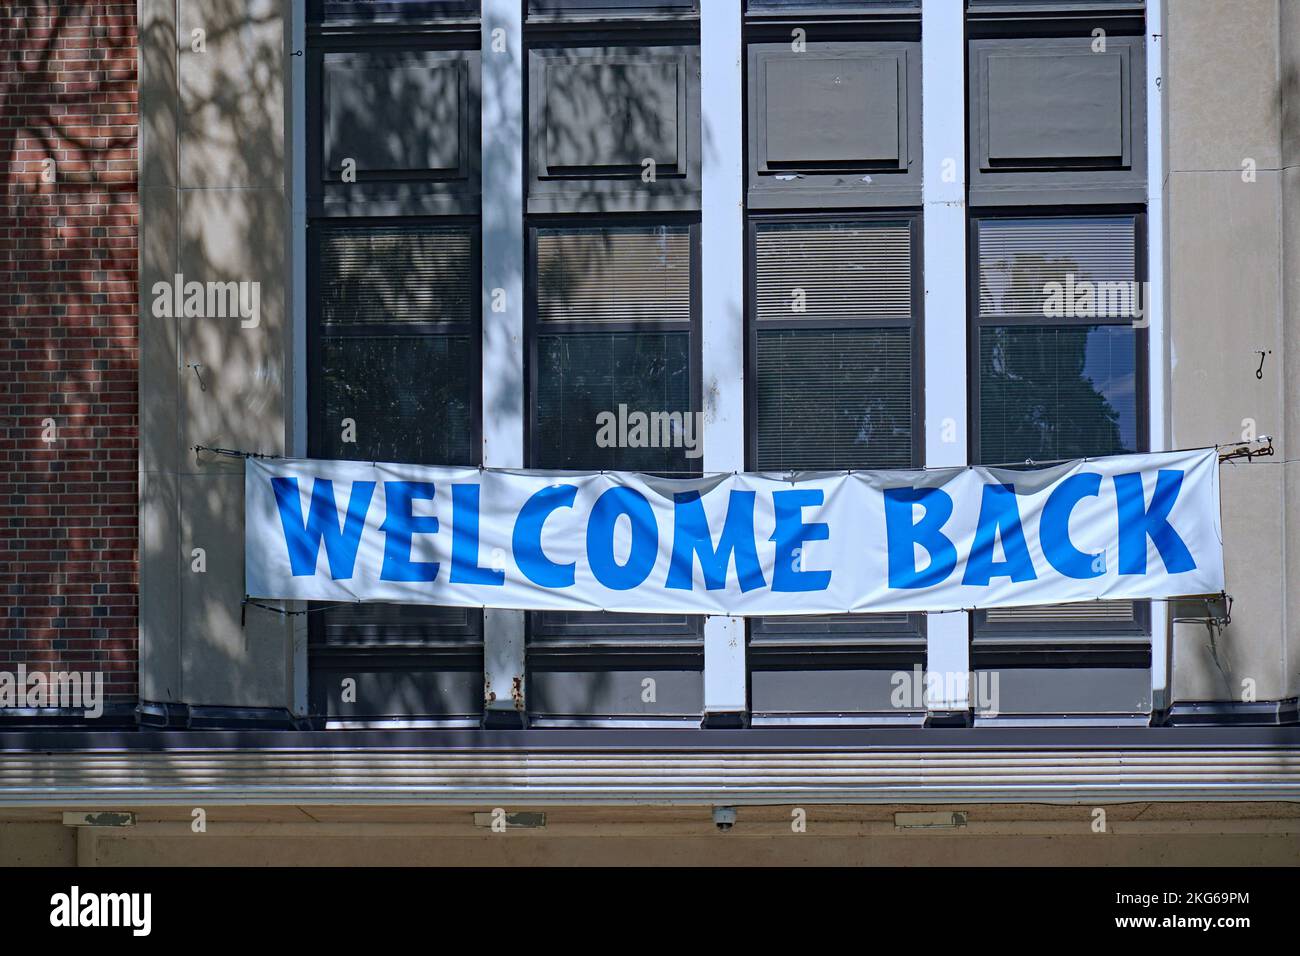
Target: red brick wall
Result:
[68, 301]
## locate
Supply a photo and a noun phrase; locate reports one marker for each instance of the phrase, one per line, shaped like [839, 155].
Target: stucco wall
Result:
[214, 195]
[1233, 198]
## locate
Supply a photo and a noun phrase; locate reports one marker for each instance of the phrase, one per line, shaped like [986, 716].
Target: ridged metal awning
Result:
[743, 767]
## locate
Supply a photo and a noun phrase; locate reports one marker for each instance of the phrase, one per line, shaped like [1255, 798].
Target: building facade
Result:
[808, 235]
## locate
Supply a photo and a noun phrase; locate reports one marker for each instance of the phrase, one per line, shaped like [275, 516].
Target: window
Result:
[394, 357]
[834, 383]
[1058, 371]
[613, 333]
[398, 343]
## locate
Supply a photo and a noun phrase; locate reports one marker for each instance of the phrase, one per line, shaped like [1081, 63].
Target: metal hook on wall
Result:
[1259, 372]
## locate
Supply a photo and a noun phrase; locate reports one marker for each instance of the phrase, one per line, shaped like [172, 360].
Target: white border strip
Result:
[722, 292]
[943, 133]
[1157, 333]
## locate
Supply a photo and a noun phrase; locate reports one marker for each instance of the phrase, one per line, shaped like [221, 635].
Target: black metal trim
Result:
[1268, 713]
[155, 715]
[995, 644]
[681, 740]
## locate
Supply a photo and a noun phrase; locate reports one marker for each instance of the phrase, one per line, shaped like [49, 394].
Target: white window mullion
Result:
[1157, 343]
[722, 276]
[943, 99]
[502, 413]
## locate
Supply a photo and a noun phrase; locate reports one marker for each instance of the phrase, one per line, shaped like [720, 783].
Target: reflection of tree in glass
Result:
[1040, 397]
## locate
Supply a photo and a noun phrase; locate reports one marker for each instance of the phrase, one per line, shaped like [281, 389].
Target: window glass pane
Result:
[1022, 262]
[410, 396]
[834, 398]
[833, 271]
[397, 274]
[614, 275]
[584, 375]
[1061, 392]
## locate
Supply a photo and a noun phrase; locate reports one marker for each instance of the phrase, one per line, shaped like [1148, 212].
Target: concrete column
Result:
[1157, 326]
[215, 209]
[503, 317]
[722, 286]
[943, 97]
[1231, 199]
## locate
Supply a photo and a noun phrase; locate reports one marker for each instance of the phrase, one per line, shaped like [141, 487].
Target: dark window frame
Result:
[532, 324]
[916, 323]
[473, 329]
[1066, 641]
[635, 636]
[829, 642]
[451, 648]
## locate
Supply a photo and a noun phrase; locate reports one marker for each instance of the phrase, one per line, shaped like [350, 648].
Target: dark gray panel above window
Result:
[614, 129]
[404, 125]
[424, 689]
[651, 692]
[1049, 692]
[391, 11]
[977, 7]
[835, 125]
[606, 118]
[605, 9]
[1053, 120]
[393, 117]
[777, 8]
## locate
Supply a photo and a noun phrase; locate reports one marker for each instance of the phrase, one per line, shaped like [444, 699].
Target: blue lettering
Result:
[790, 534]
[902, 535]
[1054, 528]
[609, 507]
[999, 518]
[526, 540]
[691, 537]
[1137, 523]
[464, 539]
[399, 525]
[303, 538]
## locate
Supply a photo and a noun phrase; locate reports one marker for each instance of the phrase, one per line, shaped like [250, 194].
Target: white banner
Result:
[1125, 527]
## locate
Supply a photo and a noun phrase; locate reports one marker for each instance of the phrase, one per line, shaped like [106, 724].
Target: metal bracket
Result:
[1246, 451]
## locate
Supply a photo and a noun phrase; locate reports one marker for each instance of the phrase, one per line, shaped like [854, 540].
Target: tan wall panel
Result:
[232, 97]
[214, 209]
[1223, 96]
